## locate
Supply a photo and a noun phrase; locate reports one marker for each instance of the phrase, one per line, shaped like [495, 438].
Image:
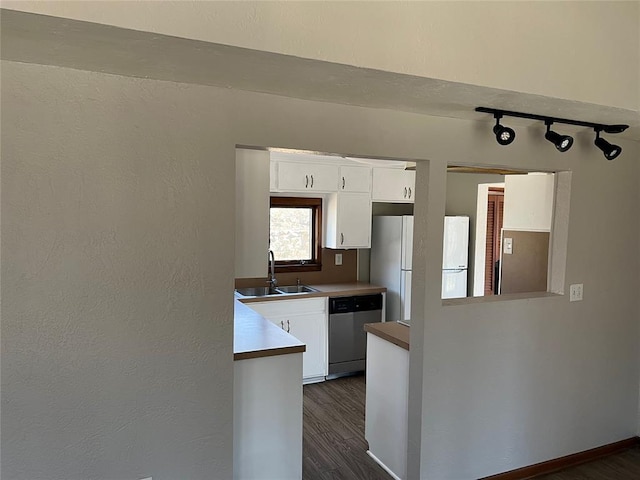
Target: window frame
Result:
[315, 264]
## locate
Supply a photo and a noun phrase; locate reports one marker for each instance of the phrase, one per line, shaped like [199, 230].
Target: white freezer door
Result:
[454, 283]
[455, 248]
[407, 242]
[405, 296]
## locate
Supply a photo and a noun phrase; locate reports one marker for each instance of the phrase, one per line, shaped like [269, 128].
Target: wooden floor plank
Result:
[334, 447]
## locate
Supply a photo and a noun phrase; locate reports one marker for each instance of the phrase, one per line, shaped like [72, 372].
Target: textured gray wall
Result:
[116, 313]
[116, 284]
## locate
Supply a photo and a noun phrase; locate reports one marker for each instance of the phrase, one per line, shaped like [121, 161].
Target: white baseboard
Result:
[386, 469]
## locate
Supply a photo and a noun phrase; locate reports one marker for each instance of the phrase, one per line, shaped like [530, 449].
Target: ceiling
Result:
[45, 40]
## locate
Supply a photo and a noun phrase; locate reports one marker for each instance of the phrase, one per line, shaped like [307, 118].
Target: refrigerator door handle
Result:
[454, 270]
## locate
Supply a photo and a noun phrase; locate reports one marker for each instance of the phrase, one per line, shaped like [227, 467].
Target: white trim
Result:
[386, 469]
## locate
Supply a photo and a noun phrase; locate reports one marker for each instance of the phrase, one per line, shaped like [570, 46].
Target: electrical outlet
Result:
[338, 259]
[575, 292]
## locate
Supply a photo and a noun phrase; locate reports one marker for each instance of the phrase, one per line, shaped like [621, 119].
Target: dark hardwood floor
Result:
[334, 446]
[333, 441]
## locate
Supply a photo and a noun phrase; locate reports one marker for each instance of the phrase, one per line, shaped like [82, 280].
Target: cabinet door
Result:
[410, 180]
[305, 319]
[323, 178]
[355, 179]
[311, 329]
[307, 177]
[354, 220]
[393, 185]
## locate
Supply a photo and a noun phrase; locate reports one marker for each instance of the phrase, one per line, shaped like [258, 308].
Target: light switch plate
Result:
[575, 292]
[338, 259]
[508, 246]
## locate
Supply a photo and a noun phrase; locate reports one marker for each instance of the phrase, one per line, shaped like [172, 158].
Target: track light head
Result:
[562, 142]
[504, 135]
[610, 151]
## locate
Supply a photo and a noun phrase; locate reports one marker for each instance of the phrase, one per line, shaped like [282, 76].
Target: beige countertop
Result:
[393, 332]
[256, 337]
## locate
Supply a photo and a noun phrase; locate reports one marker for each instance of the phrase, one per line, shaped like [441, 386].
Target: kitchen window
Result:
[295, 230]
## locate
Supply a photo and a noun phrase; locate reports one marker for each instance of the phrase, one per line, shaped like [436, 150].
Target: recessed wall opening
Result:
[516, 232]
[504, 236]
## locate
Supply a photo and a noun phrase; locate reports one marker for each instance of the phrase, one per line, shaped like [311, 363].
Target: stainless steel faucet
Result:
[273, 283]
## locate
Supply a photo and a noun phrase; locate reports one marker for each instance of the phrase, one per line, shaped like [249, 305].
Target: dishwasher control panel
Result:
[358, 303]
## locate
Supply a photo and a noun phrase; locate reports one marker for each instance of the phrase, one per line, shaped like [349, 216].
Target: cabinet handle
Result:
[343, 183]
[306, 181]
[282, 324]
[288, 326]
[409, 192]
[405, 192]
[311, 181]
[341, 238]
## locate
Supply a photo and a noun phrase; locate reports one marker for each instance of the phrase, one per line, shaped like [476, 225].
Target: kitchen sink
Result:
[256, 292]
[296, 289]
[267, 292]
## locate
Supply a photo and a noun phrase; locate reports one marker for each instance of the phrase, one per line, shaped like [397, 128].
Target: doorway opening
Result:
[495, 215]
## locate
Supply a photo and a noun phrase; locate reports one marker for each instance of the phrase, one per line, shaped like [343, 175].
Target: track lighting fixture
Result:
[562, 142]
[610, 151]
[505, 135]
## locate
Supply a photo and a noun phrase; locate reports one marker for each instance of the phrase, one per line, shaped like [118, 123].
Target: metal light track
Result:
[599, 127]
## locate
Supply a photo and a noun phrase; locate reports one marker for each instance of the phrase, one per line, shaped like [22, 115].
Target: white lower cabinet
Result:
[305, 319]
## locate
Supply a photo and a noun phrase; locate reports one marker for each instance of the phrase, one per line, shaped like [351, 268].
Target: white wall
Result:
[528, 202]
[506, 45]
[252, 213]
[116, 314]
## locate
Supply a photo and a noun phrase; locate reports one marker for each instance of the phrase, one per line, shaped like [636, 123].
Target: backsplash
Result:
[330, 273]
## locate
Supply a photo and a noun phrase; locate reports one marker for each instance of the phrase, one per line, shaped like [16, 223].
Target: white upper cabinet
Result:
[348, 221]
[354, 179]
[393, 185]
[528, 202]
[307, 177]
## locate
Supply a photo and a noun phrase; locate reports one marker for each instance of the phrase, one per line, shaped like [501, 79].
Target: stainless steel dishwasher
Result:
[347, 338]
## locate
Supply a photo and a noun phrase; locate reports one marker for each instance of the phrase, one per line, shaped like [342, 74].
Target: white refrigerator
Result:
[391, 259]
[455, 257]
[390, 263]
